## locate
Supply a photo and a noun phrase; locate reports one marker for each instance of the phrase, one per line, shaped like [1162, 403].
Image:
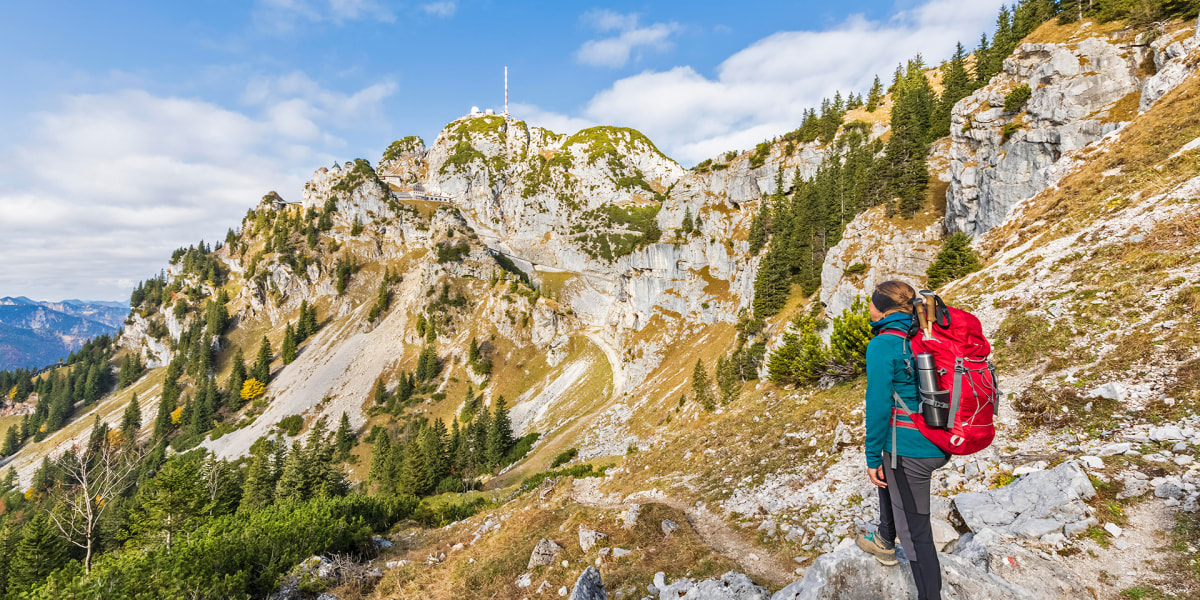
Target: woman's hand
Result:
[876, 476]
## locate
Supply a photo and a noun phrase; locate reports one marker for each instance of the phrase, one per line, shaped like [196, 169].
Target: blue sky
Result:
[130, 128]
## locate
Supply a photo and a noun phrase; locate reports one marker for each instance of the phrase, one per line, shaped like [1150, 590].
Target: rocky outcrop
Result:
[1000, 158]
[543, 553]
[1045, 505]
[588, 538]
[974, 570]
[589, 586]
[875, 249]
[730, 586]
[1174, 60]
[319, 572]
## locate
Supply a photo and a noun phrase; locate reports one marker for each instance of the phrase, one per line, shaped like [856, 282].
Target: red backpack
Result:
[967, 382]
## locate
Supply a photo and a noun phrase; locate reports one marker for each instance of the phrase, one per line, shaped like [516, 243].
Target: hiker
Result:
[904, 489]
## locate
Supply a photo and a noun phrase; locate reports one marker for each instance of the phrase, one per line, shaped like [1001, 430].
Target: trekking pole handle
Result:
[919, 311]
[927, 299]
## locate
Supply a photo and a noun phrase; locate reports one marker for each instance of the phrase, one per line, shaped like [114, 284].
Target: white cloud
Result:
[282, 16]
[102, 187]
[615, 51]
[446, 8]
[762, 90]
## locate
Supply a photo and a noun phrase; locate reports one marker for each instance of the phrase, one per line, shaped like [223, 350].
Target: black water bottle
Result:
[934, 409]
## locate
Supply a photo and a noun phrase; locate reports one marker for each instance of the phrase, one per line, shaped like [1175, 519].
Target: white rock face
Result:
[887, 250]
[1073, 88]
[1173, 61]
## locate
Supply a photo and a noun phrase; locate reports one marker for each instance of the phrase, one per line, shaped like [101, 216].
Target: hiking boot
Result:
[869, 544]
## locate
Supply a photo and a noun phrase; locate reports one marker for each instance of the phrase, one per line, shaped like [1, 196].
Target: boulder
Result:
[1169, 433]
[631, 515]
[972, 571]
[1111, 390]
[730, 586]
[669, 526]
[1034, 505]
[543, 554]
[588, 538]
[589, 586]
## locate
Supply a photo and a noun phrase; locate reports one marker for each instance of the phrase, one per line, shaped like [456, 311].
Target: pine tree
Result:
[98, 436]
[259, 489]
[427, 364]
[237, 378]
[499, 437]
[473, 355]
[11, 441]
[162, 421]
[956, 85]
[262, 366]
[294, 481]
[379, 393]
[688, 225]
[912, 112]
[126, 375]
[701, 387]
[302, 331]
[956, 259]
[131, 421]
[311, 325]
[92, 386]
[469, 407]
[344, 439]
[432, 448]
[175, 499]
[413, 473]
[289, 345]
[773, 283]
[39, 552]
[380, 474]
[422, 323]
[984, 62]
[759, 225]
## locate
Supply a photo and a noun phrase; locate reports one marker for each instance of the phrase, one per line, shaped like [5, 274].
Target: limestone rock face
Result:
[136, 337]
[1037, 504]
[1074, 89]
[885, 249]
[407, 166]
[589, 586]
[1174, 59]
[731, 586]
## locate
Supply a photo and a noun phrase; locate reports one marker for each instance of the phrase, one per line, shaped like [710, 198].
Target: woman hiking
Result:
[904, 488]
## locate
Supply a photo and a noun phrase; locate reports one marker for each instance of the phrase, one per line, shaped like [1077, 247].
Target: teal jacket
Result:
[887, 371]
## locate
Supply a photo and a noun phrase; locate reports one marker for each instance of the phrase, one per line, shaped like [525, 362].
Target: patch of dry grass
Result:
[501, 557]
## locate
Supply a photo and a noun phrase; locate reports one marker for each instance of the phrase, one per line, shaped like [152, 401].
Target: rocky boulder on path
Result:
[1038, 504]
[731, 586]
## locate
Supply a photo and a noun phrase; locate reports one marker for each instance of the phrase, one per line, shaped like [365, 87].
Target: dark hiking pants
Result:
[904, 510]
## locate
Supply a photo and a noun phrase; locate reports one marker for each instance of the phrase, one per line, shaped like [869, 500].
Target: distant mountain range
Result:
[36, 334]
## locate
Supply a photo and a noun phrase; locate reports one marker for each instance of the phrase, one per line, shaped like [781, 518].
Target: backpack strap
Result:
[899, 405]
[995, 385]
[956, 391]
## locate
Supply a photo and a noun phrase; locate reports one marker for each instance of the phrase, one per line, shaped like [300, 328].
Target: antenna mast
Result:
[506, 92]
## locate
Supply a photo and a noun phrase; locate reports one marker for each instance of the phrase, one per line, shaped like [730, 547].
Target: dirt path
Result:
[713, 529]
